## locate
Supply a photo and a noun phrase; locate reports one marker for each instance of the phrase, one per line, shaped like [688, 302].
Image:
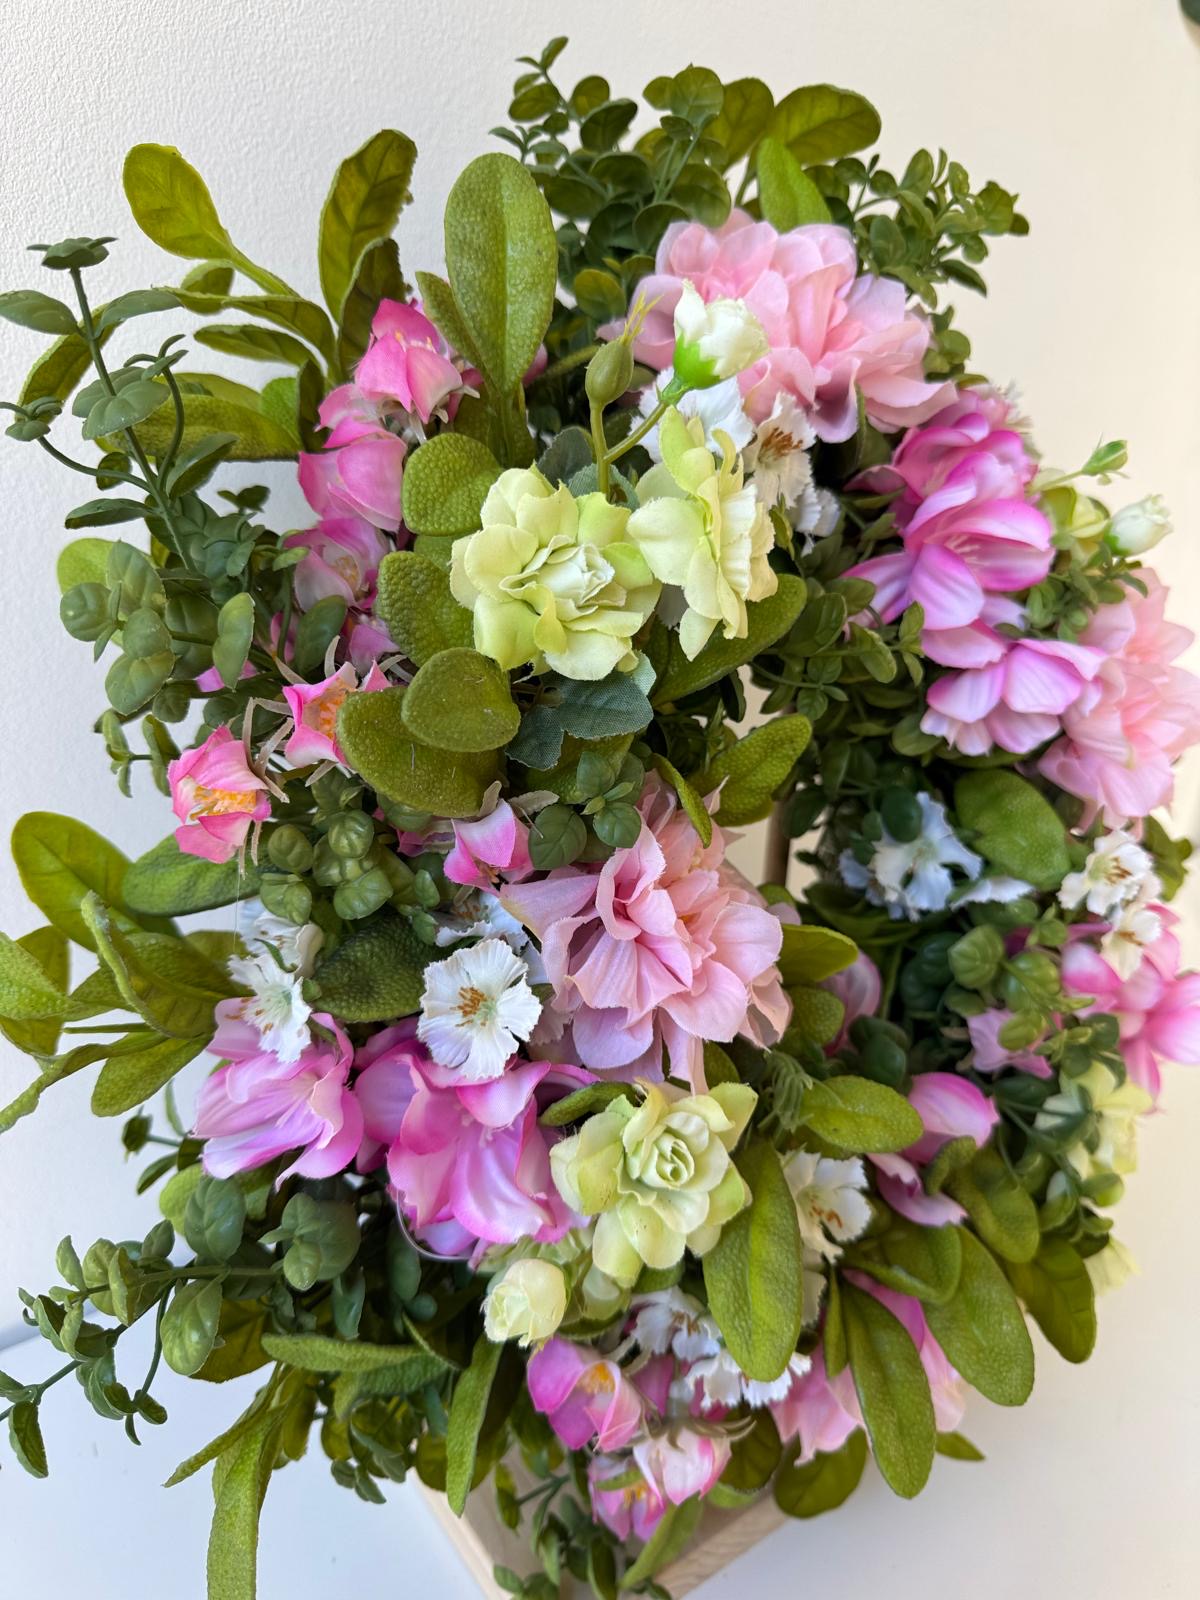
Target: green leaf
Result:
[104, 512]
[318, 628]
[827, 1481]
[769, 620]
[369, 192]
[25, 1437]
[235, 631]
[752, 1275]
[252, 343]
[821, 123]
[602, 708]
[811, 954]
[167, 883]
[238, 1349]
[468, 1407]
[581, 1103]
[859, 1115]
[321, 1236]
[445, 483]
[502, 263]
[82, 561]
[670, 1538]
[923, 1262]
[955, 1448]
[60, 861]
[27, 994]
[892, 1390]
[287, 311]
[376, 973]
[57, 371]
[788, 196]
[754, 1456]
[753, 767]
[50, 950]
[379, 746]
[1016, 828]
[697, 812]
[417, 1368]
[214, 1218]
[189, 1325]
[258, 437]
[138, 303]
[29, 308]
[172, 206]
[239, 1486]
[1058, 1294]
[459, 700]
[314, 1352]
[133, 1075]
[377, 277]
[1003, 1212]
[132, 403]
[440, 306]
[982, 1331]
[417, 608]
[745, 113]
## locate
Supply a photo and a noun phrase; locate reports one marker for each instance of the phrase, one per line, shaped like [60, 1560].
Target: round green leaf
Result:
[189, 1325]
[1016, 828]
[380, 747]
[445, 483]
[376, 973]
[416, 606]
[460, 701]
[827, 1481]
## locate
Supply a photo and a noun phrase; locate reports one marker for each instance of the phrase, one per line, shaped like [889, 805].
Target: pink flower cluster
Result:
[833, 333]
[664, 946]
[1137, 713]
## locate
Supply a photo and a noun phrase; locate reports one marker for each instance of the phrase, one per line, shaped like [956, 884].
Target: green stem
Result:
[92, 472]
[599, 449]
[47, 1383]
[638, 434]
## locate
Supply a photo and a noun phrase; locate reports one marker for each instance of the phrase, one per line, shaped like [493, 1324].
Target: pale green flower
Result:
[552, 579]
[701, 527]
[656, 1174]
[526, 1302]
[1108, 1142]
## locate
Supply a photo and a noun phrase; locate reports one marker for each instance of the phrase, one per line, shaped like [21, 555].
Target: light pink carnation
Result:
[217, 797]
[1011, 693]
[665, 945]
[1139, 713]
[832, 332]
[258, 1107]
[1158, 1008]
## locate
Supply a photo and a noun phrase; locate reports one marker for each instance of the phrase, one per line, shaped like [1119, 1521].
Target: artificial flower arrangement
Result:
[544, 1148]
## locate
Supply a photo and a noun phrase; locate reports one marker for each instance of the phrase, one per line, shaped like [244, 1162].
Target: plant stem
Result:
[776, 856]
[638, 434]
[599, 449]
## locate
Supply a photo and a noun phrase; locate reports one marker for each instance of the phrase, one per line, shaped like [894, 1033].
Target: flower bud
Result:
[714, 341]
[527, 1302]
[1139, 527]
[609, 373]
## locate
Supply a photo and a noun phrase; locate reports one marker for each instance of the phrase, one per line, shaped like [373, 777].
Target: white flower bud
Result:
[526, 1302]
[1139, 527]
[714, 341]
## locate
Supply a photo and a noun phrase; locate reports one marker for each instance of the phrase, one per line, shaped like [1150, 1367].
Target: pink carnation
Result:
[467, 1160]
[665, 945]
[217, 797]
[833, 333]
[1011, 693]
[258, 1107]
[1123, 734]
[586, 1397]
[314, 708]
[1158, 1008]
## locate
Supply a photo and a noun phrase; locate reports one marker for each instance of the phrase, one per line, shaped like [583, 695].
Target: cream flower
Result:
[1117, 872]
[714, 340]
[526, 1302]
[552, 580]
[830, 1204]
[1139, 527]
[1133, 931]
[701, 527]
[477, 1004]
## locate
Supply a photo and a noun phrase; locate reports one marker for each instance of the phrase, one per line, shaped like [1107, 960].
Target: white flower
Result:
[779, 457]
[719, 1381]
[477, 1004]
[670, 1320]
[993, 887]
[714, 341]
[813, 1266]
[1130, 936]
[1109, 1268]
[482, 915]
[913, 878]
[719, 408]
[262, 929]
[1139, 527]
[1117, 872]
[830, 1204]
[279, 958]
[526, 1302]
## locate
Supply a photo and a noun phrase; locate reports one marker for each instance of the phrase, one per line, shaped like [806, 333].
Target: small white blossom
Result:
[719, 1381]
[714, 340]
[779, 458]
[276, 1006]
[476, 1006]
[719, 409]
[669, 1320]
[1109, 1268]
[830, 1203]
[993, 887]
[1139, 527]
[913, 878]
[1117, 872]
[480, 916]
[1132, 933]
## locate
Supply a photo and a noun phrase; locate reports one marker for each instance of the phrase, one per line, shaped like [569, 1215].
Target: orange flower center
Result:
[208, 802]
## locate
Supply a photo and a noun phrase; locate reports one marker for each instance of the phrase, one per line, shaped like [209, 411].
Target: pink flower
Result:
[950, 1107]
[467, 1159]
[343, 559]
[681, 1463]
[991, 1056]
[832, 333]
[487, 847]
[258, 1107]
[665, 945]
[859, 988]
[812, 1412]
[1158, 1009]
[585, 1397]
[314, 708]
[406, 363]
[1138, 714]
[1012, 693]
[217, 797]
[635, 1510]
[360, 469]
[972, 537]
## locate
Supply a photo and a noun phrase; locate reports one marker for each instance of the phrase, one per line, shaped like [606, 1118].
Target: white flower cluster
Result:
[1118, 882]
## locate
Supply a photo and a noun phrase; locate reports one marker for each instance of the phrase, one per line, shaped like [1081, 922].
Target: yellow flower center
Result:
[598, 1380]
[322, 713]
[208, 802]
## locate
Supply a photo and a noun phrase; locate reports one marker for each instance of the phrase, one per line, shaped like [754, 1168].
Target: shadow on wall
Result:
[1191, 10]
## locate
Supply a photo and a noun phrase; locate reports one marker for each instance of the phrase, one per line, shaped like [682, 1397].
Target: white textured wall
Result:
[1089, 108]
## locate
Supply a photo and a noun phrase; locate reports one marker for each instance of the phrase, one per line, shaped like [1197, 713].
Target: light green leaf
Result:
[744, 115]
[377, 277]
[859, 1115]
[235, 631]
[132, 1076]
[170, 1005]
[376, 973]
[670, 1539]
[167, 883]
[697, 812]
[50, 948]
[955, 1448]
[460, 701]
[502, 263]
[1003, 1212]
[239, 1486]
[416, 606]
[30, 308]
[214, 1218]
[369, 191]
[923, 1262]
[788, 196]
[753, 767]
[892, 1390]
[1016, 828]
[821, 123]
[811, 954]
[445, 483]
[982, 1331]
[60, 861]
[252, 343]
[27, 993]
[1058, 1294]
[258, 437]
[82, 561]
[768, 621]
[824, 1483]
[57, 371]
[189, 1325]
[379, 746]
[315, 1352]
[287, 311]
[468, 1407]
[752, 1275]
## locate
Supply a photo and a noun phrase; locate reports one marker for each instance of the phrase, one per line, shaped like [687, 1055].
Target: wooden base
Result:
[483, 1542]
